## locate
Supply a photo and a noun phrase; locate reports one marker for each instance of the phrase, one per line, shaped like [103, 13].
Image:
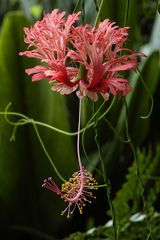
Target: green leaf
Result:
[138, 102]
[23, 164]
[16, 185]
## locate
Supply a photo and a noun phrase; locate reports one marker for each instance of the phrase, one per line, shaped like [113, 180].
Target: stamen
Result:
[50, 184]
[77, 191]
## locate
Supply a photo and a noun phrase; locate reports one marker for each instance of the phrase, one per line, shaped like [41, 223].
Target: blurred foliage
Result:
[131, 220]
[148, 163]
[135, 229]
[28, 212]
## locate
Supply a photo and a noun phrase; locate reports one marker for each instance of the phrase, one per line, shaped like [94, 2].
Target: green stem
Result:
[150, 95]
[138, 174]
[46, 153]
[107, 183]
[26, 120]
[108, 109]
[78, 138]
[77, 6]
[89, 124]
[115, 131]
[23, 121]
[99, 13]
[126, 13]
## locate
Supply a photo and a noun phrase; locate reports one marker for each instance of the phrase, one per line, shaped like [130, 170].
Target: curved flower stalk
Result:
[62, 48]
[77, 191]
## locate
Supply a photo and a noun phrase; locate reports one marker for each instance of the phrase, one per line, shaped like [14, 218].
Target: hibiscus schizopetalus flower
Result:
[76, 192]
[85, 59]
[49, 40]
[100, 51]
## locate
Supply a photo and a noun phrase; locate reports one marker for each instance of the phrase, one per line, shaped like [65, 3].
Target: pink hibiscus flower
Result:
[62, 48]
[99, 50]
[48, 39]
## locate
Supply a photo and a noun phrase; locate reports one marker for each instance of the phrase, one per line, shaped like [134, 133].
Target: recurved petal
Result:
[38, 72]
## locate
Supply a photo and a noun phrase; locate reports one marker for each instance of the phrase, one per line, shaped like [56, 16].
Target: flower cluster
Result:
[76, 191]
[84, 59]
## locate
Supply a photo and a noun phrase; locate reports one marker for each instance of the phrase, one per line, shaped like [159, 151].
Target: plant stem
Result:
[107, 183]
[78, 136]
[126, 13]
[99, 13]
[47, 154]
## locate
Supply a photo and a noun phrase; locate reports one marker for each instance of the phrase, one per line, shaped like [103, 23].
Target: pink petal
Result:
[36, 69]
[38, 77]
[38, 73]
[120, 67]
